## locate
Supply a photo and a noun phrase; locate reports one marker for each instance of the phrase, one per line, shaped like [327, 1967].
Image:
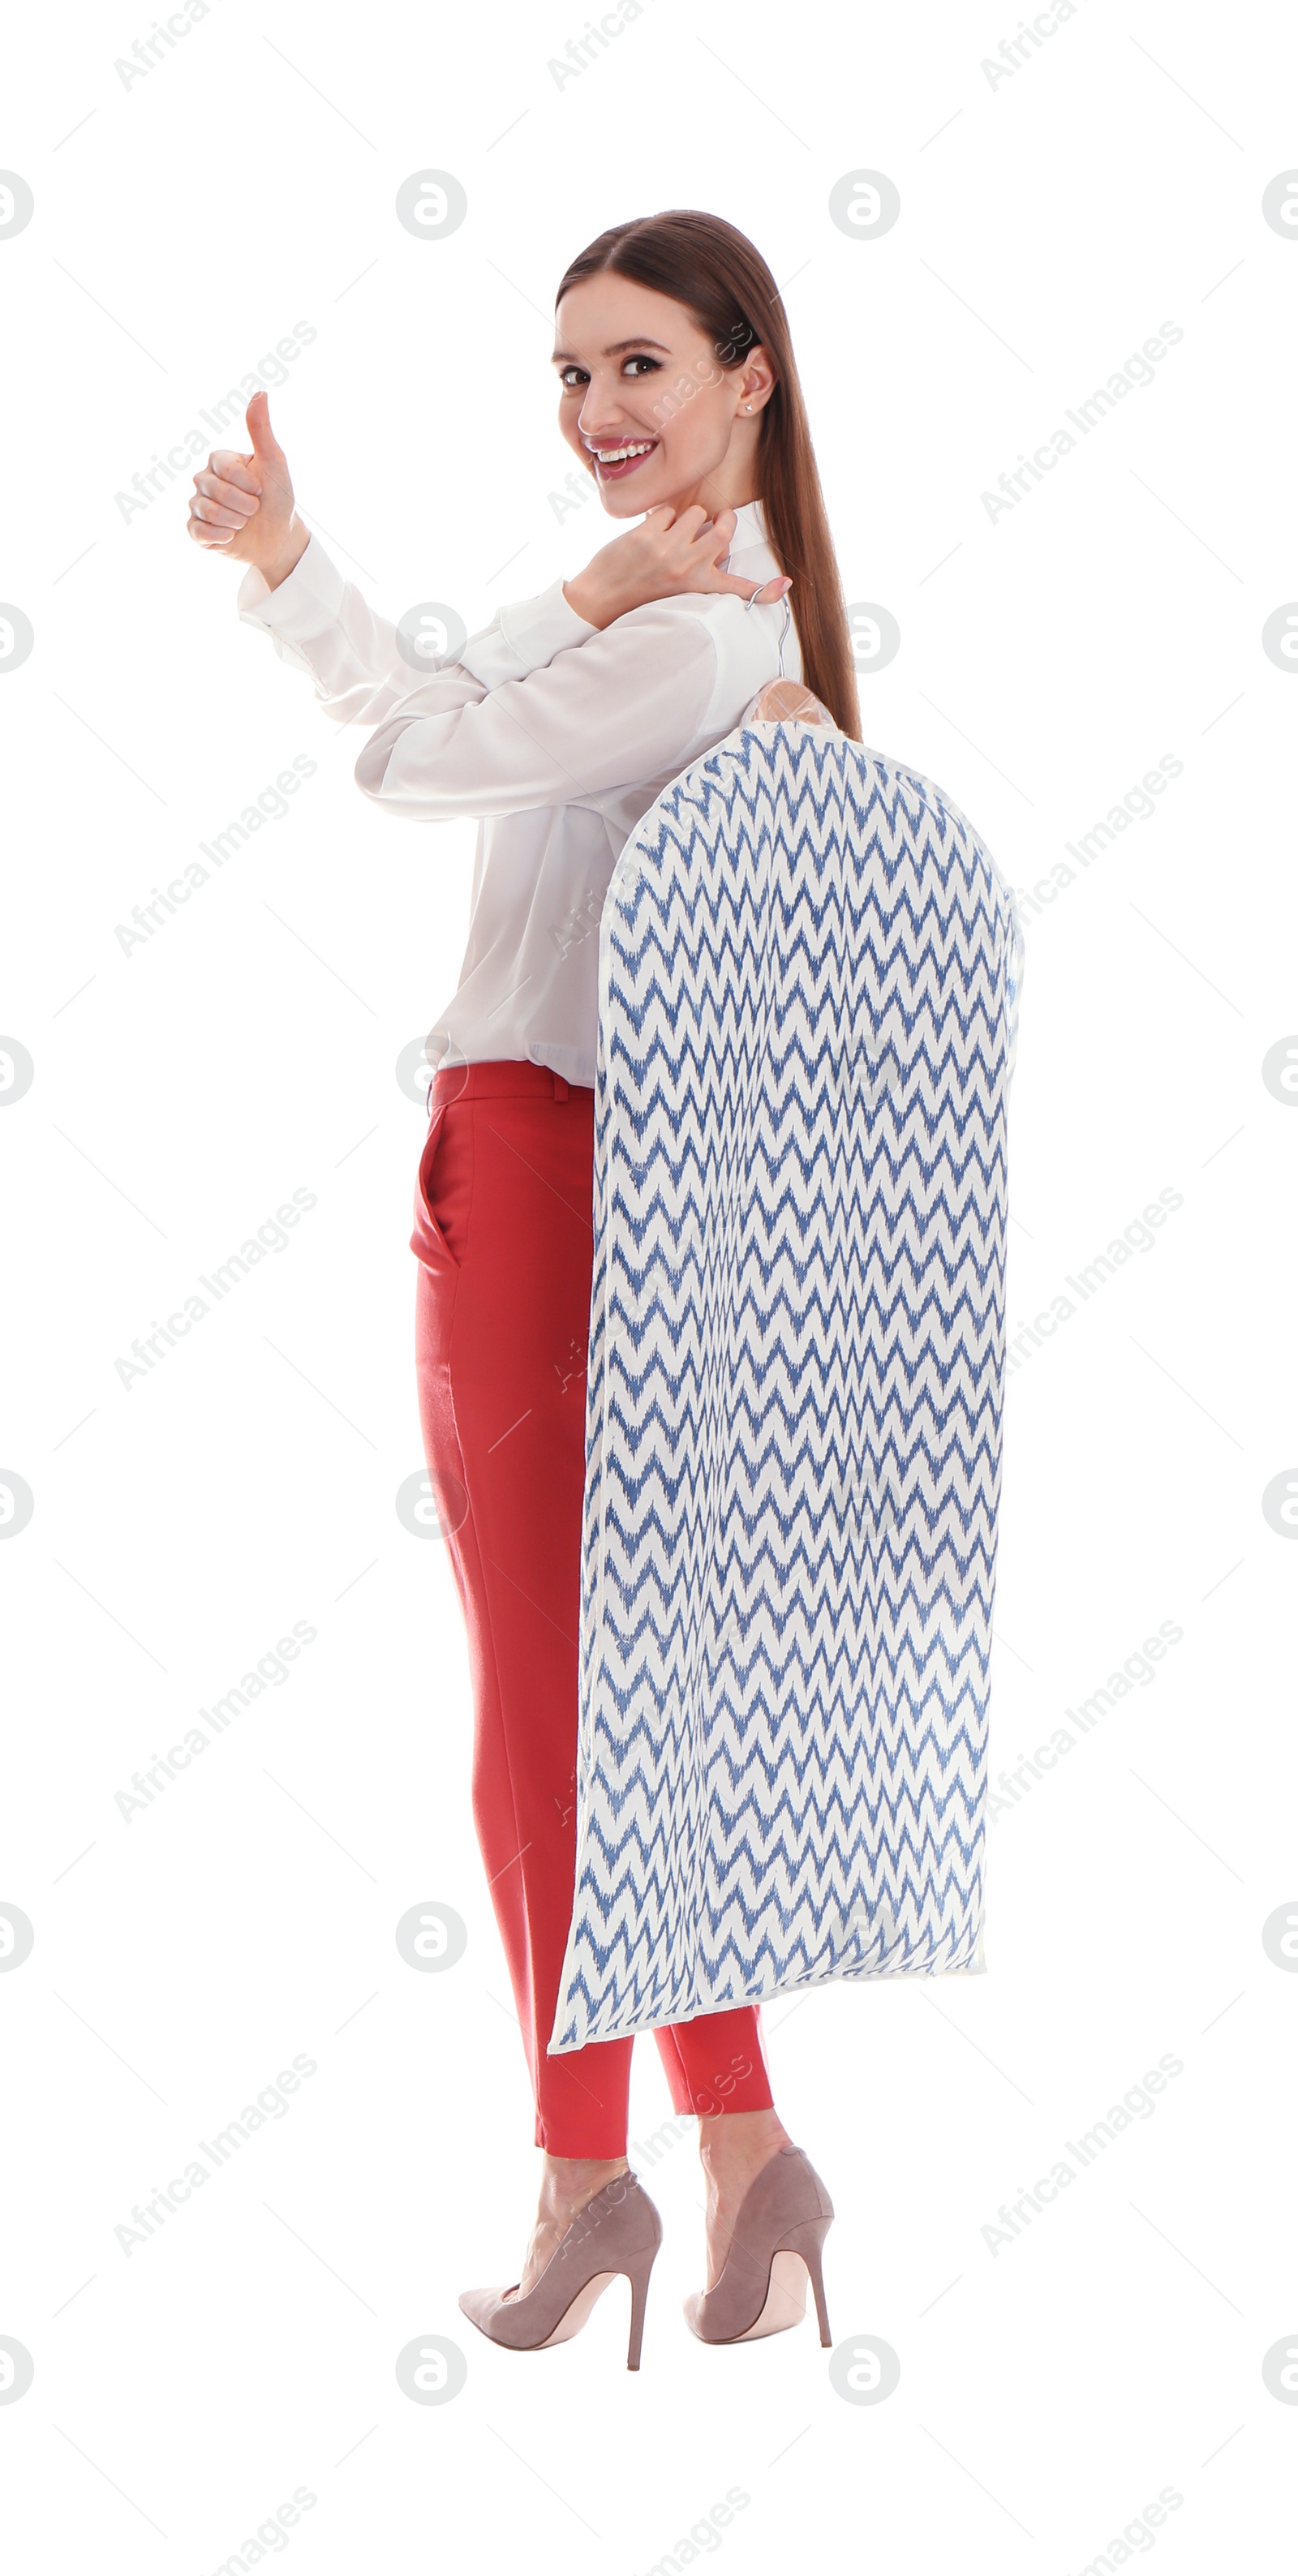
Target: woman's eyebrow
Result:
[565, 356]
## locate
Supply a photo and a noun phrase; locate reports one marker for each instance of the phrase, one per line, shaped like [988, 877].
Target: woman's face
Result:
[635, 372]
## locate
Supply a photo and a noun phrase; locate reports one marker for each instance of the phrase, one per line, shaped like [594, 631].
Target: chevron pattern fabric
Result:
[809, 980]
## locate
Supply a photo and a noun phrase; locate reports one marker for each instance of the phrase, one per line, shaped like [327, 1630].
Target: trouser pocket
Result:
[428, 1240]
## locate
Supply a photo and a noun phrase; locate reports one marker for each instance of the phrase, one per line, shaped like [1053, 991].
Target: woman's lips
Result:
[618, 473]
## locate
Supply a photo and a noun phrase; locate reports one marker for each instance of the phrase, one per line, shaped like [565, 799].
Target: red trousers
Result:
[503, 1238]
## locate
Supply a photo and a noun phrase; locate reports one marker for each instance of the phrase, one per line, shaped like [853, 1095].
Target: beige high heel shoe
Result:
[783, 2220]
[618, 2230]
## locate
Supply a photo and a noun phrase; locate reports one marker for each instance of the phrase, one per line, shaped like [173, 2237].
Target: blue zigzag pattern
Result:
[809, 980]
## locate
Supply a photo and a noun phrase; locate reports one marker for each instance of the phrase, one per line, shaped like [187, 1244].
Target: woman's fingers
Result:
[227, 496]
[214, 514]
[218, 530]
[257, 417]
[664, 556]
[242, 499]
[203, 535]
[713, 538]
[231, 467]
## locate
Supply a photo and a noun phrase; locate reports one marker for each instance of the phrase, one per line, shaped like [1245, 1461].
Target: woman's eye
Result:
[572, 376]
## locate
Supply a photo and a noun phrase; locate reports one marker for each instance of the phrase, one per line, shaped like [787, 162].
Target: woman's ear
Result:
[758, 382]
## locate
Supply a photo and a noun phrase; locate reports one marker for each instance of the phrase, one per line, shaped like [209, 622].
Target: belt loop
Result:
[560, 1087]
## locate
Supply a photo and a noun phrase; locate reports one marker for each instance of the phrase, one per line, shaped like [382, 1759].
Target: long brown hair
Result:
[714, 271]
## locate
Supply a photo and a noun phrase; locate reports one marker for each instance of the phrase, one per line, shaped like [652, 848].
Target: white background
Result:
[1049, 224]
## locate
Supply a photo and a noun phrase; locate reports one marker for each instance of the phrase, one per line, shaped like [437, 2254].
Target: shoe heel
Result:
[639, 2280]
[806, 2239]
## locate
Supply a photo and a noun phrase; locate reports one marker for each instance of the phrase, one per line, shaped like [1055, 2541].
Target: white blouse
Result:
[559, 735]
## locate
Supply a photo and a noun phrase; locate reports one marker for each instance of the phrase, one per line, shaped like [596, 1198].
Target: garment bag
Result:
[809, 973]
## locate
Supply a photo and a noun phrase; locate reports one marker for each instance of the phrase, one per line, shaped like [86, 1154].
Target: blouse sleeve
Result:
[523, 719]
[631, 707]
[321, 624]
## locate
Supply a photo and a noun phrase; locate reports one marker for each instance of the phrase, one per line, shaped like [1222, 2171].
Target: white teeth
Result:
[616, 455]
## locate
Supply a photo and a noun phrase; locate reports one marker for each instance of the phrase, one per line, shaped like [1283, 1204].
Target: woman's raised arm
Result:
[318, 623]
[522, 719]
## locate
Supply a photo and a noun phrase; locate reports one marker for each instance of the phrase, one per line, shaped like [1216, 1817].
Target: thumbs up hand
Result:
[243, 503]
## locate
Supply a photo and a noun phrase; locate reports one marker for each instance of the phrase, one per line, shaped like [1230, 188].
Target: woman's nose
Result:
[595, 421]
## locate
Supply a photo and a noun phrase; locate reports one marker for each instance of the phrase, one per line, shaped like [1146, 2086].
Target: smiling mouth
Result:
[611, 463]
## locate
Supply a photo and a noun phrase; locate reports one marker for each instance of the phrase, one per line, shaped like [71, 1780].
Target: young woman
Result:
[560, 724]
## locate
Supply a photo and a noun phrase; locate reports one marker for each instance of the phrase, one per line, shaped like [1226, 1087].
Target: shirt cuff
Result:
[523, 637]
[314, 584]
